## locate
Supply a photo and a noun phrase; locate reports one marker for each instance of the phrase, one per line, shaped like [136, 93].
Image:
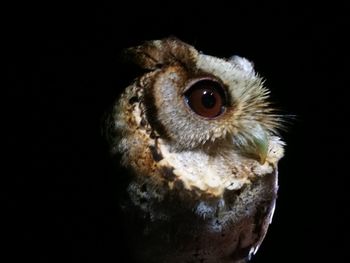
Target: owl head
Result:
[189, 111]
[194, 101]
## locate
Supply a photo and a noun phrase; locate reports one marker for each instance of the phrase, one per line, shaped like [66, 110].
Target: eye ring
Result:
[206, 97]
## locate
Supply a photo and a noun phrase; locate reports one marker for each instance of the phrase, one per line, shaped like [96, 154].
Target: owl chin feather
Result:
[198, 142]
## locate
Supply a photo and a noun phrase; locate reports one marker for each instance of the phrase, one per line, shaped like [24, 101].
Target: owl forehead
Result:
[236, 75]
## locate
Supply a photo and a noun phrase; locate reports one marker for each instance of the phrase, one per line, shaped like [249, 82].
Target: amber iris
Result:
[206, 98]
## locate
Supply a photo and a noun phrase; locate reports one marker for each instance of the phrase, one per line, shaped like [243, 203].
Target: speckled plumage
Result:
[200, 189]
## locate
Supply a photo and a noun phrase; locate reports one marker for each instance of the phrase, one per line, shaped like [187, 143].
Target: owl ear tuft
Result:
[243, 64]
[157, 53]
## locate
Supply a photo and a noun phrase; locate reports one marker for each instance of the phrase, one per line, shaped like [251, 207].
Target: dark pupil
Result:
[208, 99]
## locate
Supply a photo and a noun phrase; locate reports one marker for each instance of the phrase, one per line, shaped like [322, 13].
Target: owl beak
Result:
[261, 146]
[262, 155]
[258, 152]
[256, 146]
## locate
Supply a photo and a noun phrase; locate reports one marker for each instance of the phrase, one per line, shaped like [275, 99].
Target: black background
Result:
[65, 66]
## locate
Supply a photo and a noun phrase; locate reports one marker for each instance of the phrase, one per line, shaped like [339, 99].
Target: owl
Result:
[197, 143]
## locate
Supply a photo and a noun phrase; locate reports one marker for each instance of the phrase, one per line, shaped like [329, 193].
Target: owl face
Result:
[198, 138]
[197, 100]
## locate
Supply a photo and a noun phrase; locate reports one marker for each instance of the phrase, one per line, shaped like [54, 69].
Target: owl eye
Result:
[206, 98]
